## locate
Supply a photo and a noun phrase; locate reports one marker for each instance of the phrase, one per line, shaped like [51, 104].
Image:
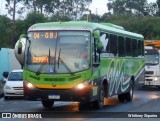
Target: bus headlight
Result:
[80, 86]
[83, 85]
[30, 85]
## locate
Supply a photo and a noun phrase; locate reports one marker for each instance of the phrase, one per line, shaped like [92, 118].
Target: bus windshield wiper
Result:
[65, 65]
[41, 66]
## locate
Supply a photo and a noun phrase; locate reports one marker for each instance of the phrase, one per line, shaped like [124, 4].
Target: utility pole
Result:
[89, 16]
[96, 11]
[13, 24]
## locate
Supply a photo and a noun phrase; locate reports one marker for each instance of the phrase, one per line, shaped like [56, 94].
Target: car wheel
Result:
[6, 98]
[98, 104]
[47, 103]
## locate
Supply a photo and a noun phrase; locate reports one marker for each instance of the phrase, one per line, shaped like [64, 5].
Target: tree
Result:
[158, 3]
[93, 17]
[5, 32]
[70, 8]
[57, 18]
[33, 18]
[148, 26]
[135, 7]
[15, 6]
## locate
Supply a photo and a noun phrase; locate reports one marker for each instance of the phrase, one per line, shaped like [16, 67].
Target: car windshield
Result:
[58, 51]
[15, 76]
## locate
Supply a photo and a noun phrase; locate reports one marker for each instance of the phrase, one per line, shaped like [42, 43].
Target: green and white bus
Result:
[80, 61]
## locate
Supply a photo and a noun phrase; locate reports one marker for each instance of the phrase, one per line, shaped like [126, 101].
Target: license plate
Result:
[53, 96]
[19, 93]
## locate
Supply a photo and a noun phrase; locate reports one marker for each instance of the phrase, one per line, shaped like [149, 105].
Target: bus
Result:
[152, 66]
[80, 61]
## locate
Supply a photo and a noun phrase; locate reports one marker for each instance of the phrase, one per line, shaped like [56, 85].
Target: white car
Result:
[14, 84]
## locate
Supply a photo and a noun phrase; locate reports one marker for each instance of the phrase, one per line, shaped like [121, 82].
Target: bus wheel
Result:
[121, 97]
[129, 95]
[100, 102]
[47, 103]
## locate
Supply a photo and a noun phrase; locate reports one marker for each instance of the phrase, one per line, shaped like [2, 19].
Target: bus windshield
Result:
[58, 51]
[151, 57]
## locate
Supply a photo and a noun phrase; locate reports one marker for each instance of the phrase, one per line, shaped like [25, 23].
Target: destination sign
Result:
[46, 35]
[40, 59]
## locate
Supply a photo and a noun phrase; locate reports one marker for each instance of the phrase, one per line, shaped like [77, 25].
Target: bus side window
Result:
[142, 47]
[139, 49]
[104, 40]
[134, 48]
[128, 47]
[113, 45]
[121, 46]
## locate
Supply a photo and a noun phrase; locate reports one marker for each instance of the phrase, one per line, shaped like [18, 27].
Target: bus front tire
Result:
[47, 103]
[98, 104]
[121, 97]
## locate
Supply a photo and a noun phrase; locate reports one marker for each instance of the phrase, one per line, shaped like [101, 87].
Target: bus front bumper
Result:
[80, 95]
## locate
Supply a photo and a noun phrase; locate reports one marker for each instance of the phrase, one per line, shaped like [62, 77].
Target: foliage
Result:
[19, 7]
[93, 17]
[148, 26]
[5, 31]
[33, 18]
[135, 7]
[69, 8]
[127, 13]
[57, 17]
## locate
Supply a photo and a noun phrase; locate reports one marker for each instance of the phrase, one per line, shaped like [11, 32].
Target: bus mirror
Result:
[20, 43]
[20, 48]
[99, 46]
[96, 34]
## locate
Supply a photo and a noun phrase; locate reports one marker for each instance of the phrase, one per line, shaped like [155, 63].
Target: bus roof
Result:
[84, 25]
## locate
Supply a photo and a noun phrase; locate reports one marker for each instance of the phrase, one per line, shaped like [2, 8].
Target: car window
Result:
[15, 76]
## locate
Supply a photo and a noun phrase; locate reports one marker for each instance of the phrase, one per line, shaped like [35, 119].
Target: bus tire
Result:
[84, 105]
[129, 95]
[98, 104]
[121, 97]
[47, 103]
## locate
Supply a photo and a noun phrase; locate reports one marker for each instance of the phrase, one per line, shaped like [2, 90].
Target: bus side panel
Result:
[113, 69]
[118, 72]
[139, 74]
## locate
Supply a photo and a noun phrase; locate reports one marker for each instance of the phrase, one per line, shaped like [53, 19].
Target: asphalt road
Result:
[146, 101]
